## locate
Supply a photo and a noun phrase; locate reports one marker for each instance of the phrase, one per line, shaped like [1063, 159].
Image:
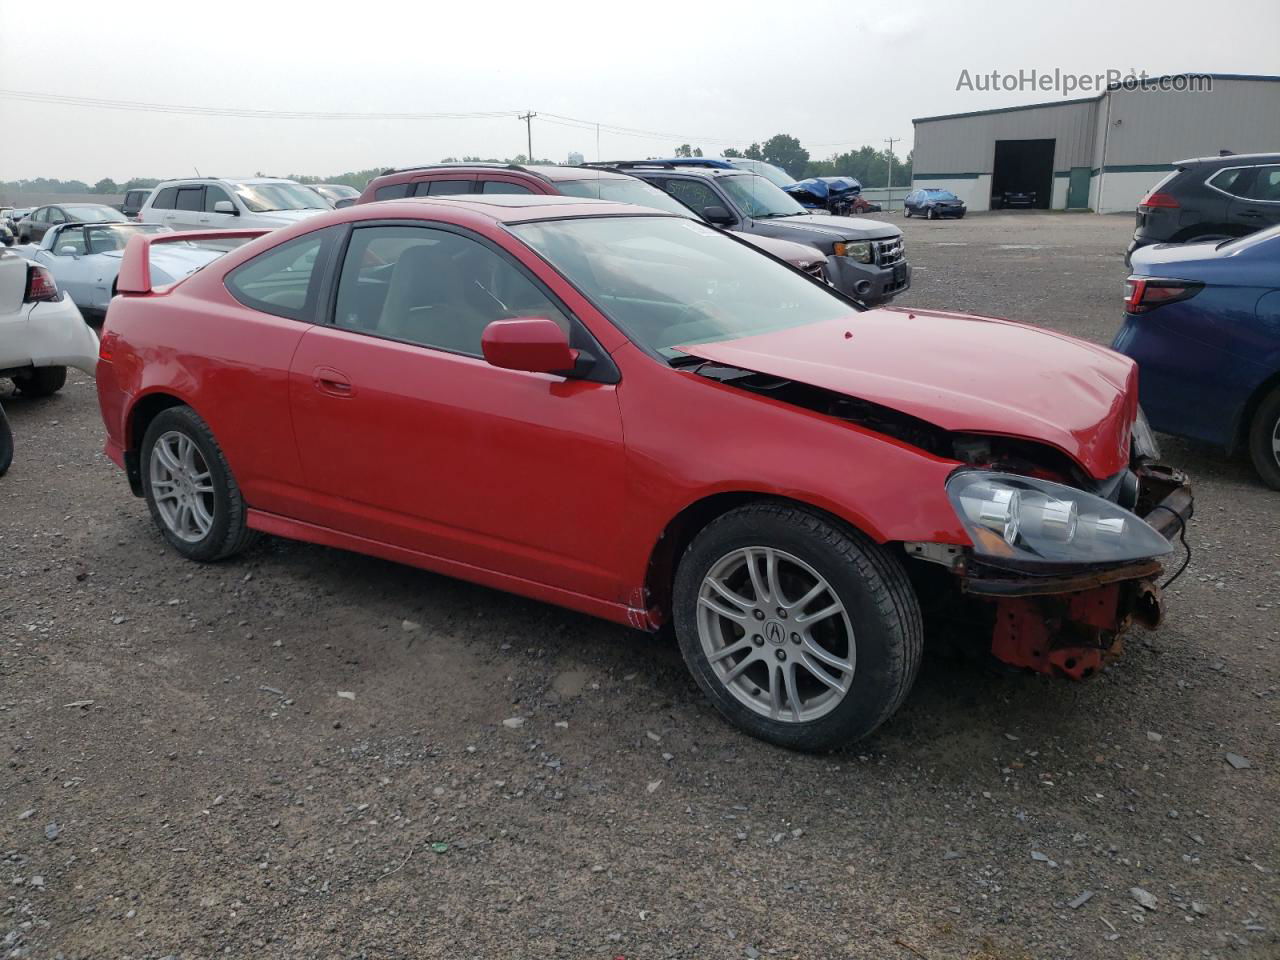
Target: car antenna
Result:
[196, 169]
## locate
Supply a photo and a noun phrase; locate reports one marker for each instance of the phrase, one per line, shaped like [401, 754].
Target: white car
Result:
[231, 204]
[41, 331]
[84, 259]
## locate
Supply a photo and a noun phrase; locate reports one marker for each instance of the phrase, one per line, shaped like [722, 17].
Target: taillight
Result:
[40, 285]
[1143, 294]
[106, 346]
[1167, 200]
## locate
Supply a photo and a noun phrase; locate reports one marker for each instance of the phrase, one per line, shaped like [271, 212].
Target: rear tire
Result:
[760, 663]
[41, 382]
[6, 444]
[1264, 439]
[193, 498]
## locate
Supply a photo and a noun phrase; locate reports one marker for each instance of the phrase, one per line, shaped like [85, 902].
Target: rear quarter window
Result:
[165, 199]
[392, 191]
[285, 280]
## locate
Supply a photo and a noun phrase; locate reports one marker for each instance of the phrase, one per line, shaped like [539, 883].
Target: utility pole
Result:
[528, 120]
[889, 202]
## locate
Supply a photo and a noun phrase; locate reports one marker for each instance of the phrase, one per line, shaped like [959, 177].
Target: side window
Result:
[1266, 185]
[693, 194]
[284, 280]
[433, 288]
[41, 215]
[72, 237]
[502, 186]
[165, 199]
[190, 198]
[212, 194]
[442, 188]
[55, 215]
[1234, 181]
[392, 191]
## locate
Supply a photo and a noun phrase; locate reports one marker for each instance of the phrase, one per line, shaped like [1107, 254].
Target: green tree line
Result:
[867, 164]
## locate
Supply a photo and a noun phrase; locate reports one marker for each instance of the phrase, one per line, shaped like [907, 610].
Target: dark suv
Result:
[865, 258]
[1210, 198]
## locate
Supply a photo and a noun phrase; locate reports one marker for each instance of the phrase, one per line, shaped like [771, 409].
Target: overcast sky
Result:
[835, 75]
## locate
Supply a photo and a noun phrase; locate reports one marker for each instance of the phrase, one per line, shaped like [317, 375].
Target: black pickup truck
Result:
[866, 259]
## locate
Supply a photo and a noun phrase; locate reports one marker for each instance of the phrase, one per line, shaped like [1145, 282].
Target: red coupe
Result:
[634, 415]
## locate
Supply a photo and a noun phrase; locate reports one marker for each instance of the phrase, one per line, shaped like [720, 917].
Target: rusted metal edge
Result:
[1069, 583]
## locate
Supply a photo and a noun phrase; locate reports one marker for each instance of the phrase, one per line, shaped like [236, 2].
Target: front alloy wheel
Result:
[776, 634]
[799, 629]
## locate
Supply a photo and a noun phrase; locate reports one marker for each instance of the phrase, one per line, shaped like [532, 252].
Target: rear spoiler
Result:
[135, 268]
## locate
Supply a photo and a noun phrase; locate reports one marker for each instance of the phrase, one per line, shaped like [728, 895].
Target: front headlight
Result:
[1033, 521]
[859, 250]
[1144, 440]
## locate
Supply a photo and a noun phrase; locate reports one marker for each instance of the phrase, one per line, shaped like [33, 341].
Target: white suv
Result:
[205, 203]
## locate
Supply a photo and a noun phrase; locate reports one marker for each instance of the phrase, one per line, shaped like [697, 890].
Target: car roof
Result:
[520, 207]
[1231, 159]
[181, 180]
[635, 167]
[547, 171]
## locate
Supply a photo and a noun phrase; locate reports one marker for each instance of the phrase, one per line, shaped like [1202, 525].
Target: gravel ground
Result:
[306, 753]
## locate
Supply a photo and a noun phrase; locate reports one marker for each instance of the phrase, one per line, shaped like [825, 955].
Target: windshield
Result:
[668, 281]
[775, 175]
[758, 198]
[262, 197]
[623, 191]
[102, 239]
[334, 191]
[88, 212]
[940, 195]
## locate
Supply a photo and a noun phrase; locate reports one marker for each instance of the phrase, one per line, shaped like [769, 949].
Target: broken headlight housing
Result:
[1144, 440]
[1031, 521]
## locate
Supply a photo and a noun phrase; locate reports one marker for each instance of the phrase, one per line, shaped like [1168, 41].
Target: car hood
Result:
[962, 373]
[794, 253]
[830, 229]
[283, 217]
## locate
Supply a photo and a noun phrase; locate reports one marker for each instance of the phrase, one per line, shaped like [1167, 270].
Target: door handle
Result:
[332, 382]
[1250, 213]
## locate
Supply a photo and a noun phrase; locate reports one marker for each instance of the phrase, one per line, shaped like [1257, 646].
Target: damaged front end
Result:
[1051, 613]
[1059, 563]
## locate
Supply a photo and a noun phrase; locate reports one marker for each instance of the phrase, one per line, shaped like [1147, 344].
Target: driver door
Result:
[408, 437]
[66, 256]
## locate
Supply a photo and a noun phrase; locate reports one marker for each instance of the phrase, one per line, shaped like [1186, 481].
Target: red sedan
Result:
[633, 415]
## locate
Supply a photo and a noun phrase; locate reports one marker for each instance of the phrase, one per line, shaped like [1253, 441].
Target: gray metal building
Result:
[1102, 153]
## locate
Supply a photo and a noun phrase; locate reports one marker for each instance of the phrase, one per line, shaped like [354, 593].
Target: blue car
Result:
[1203, 322]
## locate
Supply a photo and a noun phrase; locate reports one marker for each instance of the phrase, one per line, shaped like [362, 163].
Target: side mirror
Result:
[67, 250]
[344, 203]
[532, 344]
[718, 215]
[226, 206]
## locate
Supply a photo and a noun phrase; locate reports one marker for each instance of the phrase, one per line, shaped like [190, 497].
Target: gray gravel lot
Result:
[182, 776]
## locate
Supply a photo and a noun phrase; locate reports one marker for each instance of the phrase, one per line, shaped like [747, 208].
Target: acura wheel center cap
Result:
[775, 632]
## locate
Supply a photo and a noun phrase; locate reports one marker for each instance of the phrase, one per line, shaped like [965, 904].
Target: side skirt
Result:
[312, 533]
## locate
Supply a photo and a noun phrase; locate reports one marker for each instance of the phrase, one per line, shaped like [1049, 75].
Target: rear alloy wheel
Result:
[801, 632]
[1264, 439]
[40, 382]
[193, 497]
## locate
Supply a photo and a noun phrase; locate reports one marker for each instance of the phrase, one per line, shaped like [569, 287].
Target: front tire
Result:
[41, 382]
[1264, 439]
[802, 632]
[933, 214]
[906, 212]
[193, 498]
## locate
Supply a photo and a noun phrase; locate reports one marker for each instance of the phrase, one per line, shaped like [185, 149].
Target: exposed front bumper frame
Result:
[1072, 624]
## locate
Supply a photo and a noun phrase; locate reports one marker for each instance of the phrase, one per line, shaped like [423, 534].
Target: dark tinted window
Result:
[1235, 181]
[55, 215]
[283, 281]
[392, 191]
[165, 199]
[212, 194]
[189, 198]
[502, 186]
[442, 188]
[1266, 185]
[433, 288]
